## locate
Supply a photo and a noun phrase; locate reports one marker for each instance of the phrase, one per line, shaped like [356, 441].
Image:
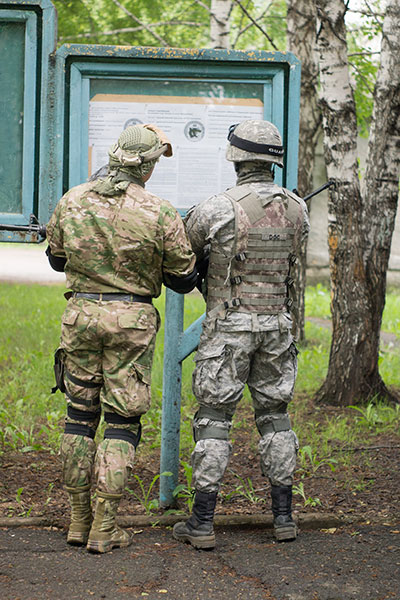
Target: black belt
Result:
[116, 296]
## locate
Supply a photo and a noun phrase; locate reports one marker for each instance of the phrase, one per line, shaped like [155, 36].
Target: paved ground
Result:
[357, 564]
[27, 263]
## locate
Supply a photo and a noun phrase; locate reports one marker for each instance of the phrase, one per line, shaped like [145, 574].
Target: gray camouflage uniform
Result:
[250, 342]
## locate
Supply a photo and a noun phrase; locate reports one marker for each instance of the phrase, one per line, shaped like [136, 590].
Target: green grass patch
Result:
[31, 418]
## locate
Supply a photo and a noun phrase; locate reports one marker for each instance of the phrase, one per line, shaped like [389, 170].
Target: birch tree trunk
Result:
[353, 374]
[301, 40]
[219, 23]
[380, 186]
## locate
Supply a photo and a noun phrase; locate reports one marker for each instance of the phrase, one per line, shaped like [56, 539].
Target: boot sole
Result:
[204, 542]
[77, 539]
[102, 547]
[285, 534]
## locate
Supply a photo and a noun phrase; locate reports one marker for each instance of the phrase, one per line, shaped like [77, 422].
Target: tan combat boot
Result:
[81, 515]
[105, 533]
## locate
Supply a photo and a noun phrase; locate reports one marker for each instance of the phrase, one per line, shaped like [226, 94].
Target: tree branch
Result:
[248, 15]
[144, 25]
[366, 82]
[200, 3]
[244, 29]
[130, 30]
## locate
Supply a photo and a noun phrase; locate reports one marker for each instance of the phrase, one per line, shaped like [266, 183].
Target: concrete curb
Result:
[307, 521]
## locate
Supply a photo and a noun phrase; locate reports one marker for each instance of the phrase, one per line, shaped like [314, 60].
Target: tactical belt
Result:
[112, 296]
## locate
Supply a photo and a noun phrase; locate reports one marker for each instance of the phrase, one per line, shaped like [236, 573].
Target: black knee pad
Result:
[85, 417]
[117, 433]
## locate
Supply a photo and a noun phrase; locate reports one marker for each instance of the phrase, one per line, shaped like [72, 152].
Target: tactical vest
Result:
[257, 278]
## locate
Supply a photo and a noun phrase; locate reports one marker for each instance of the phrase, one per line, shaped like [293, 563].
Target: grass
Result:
[31, 417]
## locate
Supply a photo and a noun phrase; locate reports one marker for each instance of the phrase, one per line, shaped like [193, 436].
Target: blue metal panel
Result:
[292, 125]
[35, 140]
[171, 398]
[18, 42]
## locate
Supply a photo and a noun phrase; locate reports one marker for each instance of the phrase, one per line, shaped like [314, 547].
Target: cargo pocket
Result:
[137, 328]
[214, 377]
[70, 316]
[138, 389]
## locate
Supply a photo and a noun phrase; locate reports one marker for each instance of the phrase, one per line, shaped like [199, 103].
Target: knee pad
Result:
[216, 427]
[82, 422]
[271, 423]
[127, 429]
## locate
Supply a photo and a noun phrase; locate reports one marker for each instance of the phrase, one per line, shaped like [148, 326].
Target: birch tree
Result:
[361, 216]
[220, 13]
[301, 41]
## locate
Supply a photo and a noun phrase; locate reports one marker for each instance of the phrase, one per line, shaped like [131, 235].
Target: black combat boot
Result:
[198, 529]
[285, 528]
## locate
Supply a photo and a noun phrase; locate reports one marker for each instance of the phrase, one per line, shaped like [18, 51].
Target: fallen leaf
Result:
[330, 530]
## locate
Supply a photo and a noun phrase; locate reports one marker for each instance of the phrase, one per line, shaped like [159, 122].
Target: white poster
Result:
[197, 128]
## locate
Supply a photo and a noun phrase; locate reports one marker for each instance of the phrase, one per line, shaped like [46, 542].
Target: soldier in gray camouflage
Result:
[252, 233]
[117, 244]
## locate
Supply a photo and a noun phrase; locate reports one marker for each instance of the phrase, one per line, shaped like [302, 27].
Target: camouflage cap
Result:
[136, 145]
[255, 140]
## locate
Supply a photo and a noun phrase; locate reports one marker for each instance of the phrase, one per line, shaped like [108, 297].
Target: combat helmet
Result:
[255, 140]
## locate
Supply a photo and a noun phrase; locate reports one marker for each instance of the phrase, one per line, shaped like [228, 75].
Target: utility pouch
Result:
[59, 371]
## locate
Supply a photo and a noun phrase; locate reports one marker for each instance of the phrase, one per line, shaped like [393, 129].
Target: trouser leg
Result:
[113, 463]
[278, 447]
[210, 459]
[77, 452]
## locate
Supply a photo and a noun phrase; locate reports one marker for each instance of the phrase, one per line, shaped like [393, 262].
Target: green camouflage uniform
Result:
[245, 343]
[121, 244]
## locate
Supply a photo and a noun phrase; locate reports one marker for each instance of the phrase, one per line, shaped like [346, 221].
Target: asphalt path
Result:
[337, 564]
[27, 263]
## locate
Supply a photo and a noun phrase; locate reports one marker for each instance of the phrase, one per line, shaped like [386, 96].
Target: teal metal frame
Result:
[38, 162]
[279, 72]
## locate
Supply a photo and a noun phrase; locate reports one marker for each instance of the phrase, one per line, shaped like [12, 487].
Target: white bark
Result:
[301, 41]
[381, 182]
[219, 24]
[361, 226]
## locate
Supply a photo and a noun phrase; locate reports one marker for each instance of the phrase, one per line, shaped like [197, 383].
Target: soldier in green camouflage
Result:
[252, 233]
[117, 244]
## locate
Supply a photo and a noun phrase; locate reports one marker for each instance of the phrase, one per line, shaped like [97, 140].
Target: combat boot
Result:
[198, 529]
[81, 515]
[285, 528]
[105, 533]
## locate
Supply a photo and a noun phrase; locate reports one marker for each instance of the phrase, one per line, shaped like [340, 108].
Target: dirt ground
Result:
[366, 490]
